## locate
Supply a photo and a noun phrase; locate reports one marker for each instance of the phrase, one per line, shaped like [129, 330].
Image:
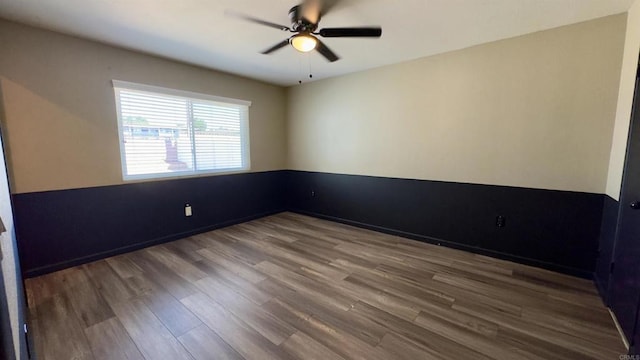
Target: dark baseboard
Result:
[476, 250]
[165, 239]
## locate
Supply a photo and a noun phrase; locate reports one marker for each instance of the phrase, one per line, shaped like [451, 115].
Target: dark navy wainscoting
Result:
[557, 230]
[635, 349]
[608, 228]
[58, 229]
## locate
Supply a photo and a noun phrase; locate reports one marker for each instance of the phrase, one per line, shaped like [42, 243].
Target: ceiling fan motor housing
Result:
[299, 23]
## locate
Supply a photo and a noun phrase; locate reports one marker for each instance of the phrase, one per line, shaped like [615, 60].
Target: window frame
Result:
[188, 96]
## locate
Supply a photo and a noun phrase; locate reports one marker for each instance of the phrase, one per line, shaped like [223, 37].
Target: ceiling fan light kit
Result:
[305, 18]
[304, 42]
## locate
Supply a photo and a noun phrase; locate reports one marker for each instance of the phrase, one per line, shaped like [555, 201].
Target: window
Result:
[165, 132]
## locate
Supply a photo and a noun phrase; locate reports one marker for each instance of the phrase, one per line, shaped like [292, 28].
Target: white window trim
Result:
[118, 84]
[180, 93]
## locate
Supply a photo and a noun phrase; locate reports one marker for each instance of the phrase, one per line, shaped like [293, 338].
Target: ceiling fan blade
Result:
[310, 10]
[275, 47]
[326, 52]
[351, 32]
[313, 10]
[327, 5]
[256, 20]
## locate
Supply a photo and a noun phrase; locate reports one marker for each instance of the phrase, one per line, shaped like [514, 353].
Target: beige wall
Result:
[535, 111]
[60, 116]
[625, 102]
[532, 111]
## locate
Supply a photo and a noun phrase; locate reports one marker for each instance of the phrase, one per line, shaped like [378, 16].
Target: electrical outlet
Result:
[501, 221]
[313, 193]
[187, 210]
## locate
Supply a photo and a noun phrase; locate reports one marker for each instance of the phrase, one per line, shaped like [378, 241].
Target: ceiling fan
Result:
[305, 18]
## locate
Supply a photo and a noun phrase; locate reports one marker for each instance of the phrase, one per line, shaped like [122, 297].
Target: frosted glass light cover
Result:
[304, 43]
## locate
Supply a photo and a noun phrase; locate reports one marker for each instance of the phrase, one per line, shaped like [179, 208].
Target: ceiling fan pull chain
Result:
[305, 57]
[301, 70]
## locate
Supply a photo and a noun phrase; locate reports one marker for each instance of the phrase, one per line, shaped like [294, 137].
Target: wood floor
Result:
[295, 287]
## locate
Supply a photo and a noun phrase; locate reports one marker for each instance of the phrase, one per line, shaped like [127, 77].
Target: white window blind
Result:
[166, 132]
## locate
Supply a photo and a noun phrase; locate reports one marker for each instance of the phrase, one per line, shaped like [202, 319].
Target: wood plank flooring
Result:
[294, 287]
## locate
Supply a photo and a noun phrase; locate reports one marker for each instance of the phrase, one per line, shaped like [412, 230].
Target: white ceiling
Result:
[199, 32]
